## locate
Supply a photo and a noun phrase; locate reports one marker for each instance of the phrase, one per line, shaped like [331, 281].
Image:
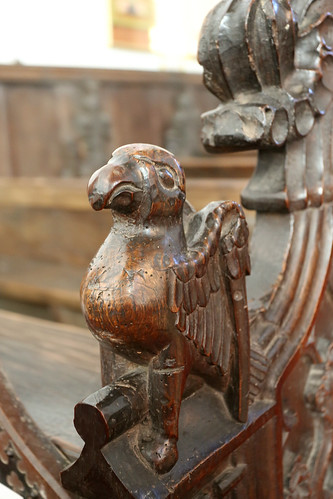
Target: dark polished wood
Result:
[261, 425]
[204, 394]
[47, 367]
[161, 278]
[286, 91]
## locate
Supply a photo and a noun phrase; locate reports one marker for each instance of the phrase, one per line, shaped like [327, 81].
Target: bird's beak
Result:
[111, 184]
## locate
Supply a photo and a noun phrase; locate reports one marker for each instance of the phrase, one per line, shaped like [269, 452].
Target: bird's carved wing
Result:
[207, 291]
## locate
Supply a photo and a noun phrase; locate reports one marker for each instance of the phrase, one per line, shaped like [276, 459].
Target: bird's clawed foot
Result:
[160, 452]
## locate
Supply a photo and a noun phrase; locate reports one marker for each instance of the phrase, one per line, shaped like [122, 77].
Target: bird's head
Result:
[141, 181]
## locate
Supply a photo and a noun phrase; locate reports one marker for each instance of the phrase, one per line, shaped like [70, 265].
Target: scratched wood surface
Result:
[270, 65]
[50, 366]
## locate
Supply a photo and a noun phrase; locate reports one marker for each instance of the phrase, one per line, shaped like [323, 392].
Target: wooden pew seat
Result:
[50, 367]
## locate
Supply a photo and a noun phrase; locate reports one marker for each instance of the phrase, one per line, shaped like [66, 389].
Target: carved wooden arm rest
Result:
[233, 394]
[216, 371]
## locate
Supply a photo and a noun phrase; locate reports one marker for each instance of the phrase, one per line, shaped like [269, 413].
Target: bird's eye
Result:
[166, 178]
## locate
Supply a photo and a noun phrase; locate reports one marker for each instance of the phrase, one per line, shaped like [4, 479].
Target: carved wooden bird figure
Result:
[167, 288]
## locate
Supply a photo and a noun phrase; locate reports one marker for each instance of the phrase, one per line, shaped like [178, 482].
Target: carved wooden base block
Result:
[216, 455]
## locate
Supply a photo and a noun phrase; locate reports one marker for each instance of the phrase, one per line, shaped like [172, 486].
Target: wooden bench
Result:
[259, 423]
[48, 368]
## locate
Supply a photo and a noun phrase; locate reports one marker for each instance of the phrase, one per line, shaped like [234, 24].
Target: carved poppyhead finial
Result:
[269, 62]
[141, 181]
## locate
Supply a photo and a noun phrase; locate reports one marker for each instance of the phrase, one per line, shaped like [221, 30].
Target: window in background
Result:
[177, 28]
[169, 29]
[131, 22]
[145, 34]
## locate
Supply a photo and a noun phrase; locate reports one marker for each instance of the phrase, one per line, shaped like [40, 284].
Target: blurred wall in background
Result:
[79, 78]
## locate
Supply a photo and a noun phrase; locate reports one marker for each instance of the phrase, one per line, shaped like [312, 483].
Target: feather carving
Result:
[217, 238]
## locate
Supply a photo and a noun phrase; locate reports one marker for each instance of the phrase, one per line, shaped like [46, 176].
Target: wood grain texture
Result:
[49, 366]
[66, 122]
[140, 294]
[37, 393]
[58, 122]
[268, 64]
[292, 246]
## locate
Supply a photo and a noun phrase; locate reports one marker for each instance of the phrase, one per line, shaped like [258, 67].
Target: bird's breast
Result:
[124, 299]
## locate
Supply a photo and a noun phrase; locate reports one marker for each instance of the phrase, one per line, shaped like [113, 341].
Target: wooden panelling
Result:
[58, 122]
[20, 73]
[49, 233]
[33, 130]
[5, 152]
[53, 221]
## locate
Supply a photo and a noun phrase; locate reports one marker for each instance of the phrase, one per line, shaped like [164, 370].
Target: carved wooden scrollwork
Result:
[13, 471]
[281, 104]
[308, 442]
[285, 85]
